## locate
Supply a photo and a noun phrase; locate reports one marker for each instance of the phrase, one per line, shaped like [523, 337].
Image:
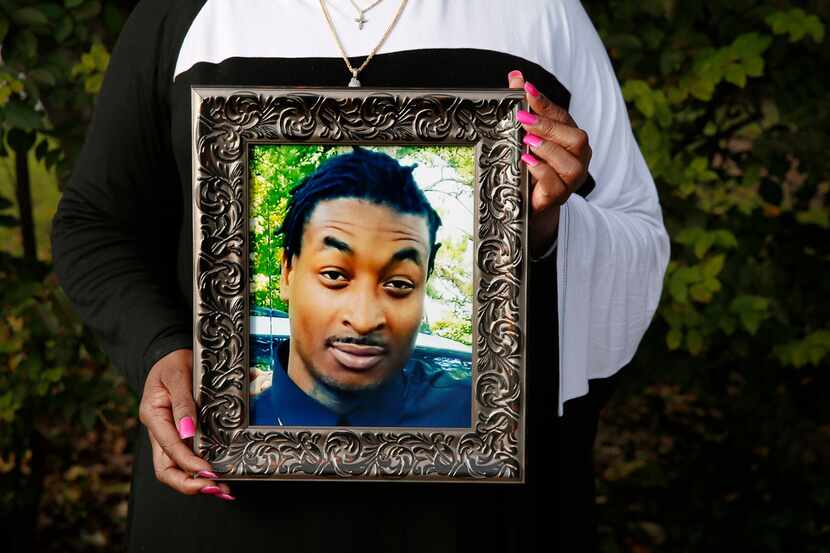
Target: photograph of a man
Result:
[359, 243]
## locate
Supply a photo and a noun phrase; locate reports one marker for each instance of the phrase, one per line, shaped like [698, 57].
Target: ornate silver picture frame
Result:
[227, 123]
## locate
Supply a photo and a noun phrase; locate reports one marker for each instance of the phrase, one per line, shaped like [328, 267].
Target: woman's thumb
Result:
[178, 379]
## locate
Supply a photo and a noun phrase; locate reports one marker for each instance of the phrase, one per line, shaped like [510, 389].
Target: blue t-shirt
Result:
[419, 395]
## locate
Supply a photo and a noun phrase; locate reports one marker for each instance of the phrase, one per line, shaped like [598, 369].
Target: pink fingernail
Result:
[207, 474]
[530, 159]
[532, 140]
[526, 117]
[532, 90]
[212, 490]
[187, 428]
[514, 74]
[226, 496]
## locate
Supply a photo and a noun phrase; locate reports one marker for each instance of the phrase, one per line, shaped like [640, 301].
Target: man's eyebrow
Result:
[403, 254]
[406, 253]
[333, 242]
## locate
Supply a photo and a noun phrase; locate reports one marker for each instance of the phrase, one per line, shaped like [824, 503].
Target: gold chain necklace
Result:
[354, 82]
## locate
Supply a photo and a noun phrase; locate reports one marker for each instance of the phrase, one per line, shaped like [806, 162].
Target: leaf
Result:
[816, 355]
[4, 28]
[815, 216]
[674, 338]
[29, 16]
[815, 28]
[702, 88]
[750, 45]
[24, 47]
[51, 11]
[712, 266]
[679, 282]
[645, 104]
[100, 56]
[676, 95]
[699, 164]
[754, 67]
[19, 115]
[710, 129]
[43, 76]
[703, 243]
[751, 310]
[735, 74]
[88, 10]
[72, 3]
[700, 293]
[727, 324]
[689, 235]
[694, 341]
[797, 24]
[725, 239]
[712, 284]
[92, 84]
[64, 29]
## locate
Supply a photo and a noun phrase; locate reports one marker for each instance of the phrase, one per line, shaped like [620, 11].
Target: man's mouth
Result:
[357, 357]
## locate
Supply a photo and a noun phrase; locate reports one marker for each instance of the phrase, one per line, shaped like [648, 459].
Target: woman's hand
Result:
[558, 163]
[168, 411]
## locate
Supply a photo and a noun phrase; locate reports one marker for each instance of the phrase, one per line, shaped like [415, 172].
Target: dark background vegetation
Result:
[718, 439]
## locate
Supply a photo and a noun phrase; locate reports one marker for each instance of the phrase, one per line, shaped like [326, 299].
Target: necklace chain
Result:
[352, 70]
[360, 19]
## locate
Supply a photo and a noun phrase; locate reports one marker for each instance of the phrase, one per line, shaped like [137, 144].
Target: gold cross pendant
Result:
[360, 21]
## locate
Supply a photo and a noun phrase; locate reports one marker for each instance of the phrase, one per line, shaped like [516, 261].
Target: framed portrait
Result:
[360, 262]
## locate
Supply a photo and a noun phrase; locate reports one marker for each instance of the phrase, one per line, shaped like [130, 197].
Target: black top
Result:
[122, 247]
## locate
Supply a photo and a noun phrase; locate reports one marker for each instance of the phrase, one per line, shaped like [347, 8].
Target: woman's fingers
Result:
[515, 79]
[568, 167]
[171, 475]
[179, 384]
[555, 142]
[573, 139]
[542, 105]
[168, 389]
[155, 411]
[549, 189]
[168, 473]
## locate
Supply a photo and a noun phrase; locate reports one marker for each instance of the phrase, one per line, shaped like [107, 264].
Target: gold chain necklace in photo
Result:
[354, 82]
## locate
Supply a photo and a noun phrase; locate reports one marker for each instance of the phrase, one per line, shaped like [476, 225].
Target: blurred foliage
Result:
[719, 438]
[65, 417]
[53, 60]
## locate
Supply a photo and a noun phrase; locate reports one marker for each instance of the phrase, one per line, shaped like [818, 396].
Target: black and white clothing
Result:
[132, 284]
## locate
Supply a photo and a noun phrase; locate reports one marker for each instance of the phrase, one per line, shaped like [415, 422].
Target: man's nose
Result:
[364, 313]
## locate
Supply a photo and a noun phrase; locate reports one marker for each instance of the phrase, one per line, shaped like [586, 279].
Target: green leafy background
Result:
[718, 438]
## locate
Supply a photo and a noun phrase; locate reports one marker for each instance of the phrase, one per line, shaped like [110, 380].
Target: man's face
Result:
[355, 293]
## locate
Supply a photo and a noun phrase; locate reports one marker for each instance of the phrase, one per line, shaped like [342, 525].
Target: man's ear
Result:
[285, 278]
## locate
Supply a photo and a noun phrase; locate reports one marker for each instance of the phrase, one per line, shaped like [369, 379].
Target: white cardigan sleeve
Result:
[613, 247]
